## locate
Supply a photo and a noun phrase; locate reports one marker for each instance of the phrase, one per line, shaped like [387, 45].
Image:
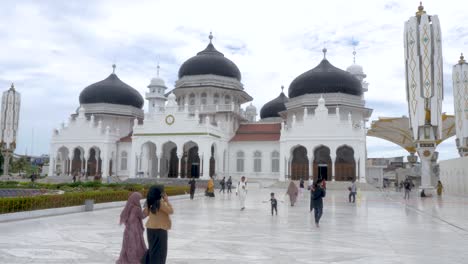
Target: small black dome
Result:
[272, 108]
[210, 61]
[325, 78]
[112, 91]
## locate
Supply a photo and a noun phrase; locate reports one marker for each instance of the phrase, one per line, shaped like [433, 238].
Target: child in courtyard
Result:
[133, 245]
[274, 203]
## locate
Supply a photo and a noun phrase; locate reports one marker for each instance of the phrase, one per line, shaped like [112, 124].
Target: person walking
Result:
[193, 186]
[407, 186]
[242, 192]
[133, 245]
[223, 184]
[158, 209]
[274, 203]
[439, 187]
[292, 192]
[318, 193]
[301, 187]
[210, 188]
[229, 185]
[352, 191]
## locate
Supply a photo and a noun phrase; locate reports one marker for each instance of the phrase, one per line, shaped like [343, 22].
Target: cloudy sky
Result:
[51, 50]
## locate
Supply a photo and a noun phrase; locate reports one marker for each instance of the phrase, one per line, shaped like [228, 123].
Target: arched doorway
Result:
[212, 161]
[190, 161]
[62, 161]
[149, 161]
[77, 161]
[299, 164]
[94, 162]
[322, 164]
[345, 165]
[170, 160]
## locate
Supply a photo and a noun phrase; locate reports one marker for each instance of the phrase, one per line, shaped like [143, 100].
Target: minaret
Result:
[251, 113]
[9, 120]
[155, 96]
[358, 72]
[460, 93]
[424, 87]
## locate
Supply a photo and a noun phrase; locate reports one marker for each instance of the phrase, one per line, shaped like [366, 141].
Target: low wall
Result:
[73, 209]
[454, 175]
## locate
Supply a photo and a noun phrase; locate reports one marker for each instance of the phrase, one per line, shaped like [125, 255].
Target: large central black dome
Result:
[325, 78]
[210, 61]
[112, 91]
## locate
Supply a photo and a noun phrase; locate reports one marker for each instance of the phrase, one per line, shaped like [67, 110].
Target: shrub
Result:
[19, 204]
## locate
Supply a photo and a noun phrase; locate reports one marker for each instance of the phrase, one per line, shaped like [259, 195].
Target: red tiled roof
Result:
[258, 132]
[127, 138]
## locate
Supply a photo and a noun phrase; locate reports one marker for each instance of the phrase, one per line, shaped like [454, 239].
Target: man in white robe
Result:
[242, 192]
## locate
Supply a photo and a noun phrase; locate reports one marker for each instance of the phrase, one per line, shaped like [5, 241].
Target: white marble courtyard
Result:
[379, 228]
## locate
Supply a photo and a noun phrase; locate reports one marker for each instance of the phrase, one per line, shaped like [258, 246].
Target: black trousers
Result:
[157, 247]
[192, 193]
[318, 213]
[274, 208]
[353, 195]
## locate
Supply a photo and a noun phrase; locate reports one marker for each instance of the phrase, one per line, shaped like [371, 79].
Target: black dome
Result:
[325, 78]
[112, 91]
[210, 61]
[272, 108]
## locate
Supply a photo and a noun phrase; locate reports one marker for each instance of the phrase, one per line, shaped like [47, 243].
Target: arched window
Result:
[240, 161]
[123, 160]
[203, 98]
[227, 99]
[275, 161]
[192, 99]
[257, 161]
[216, 99]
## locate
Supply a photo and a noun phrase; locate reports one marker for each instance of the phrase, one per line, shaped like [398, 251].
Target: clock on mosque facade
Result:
[170, 120]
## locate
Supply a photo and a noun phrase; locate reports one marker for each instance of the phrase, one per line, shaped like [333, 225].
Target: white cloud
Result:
[53, 49]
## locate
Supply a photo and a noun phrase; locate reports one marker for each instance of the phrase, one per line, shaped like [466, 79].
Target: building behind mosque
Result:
[200, 129]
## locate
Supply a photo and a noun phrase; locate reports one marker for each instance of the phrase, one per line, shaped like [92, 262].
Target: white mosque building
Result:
[199, 129]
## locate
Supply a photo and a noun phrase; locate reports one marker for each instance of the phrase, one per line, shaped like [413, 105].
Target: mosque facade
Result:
[201, 129]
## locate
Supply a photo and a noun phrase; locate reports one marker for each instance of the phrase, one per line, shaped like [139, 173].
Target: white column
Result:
[70, 161]
[98, 156]
[333, 158]
[206, 162]
[356, 169]
[180, 154]
[283, 167]
[86, 164]
[158, 160]
[105, 165]
[311, 161]
[52, 166]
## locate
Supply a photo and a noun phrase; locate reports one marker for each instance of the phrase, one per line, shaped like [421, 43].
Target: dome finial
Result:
[282, 88]
[462, 59]
[420, 10]
[113, 68]
[324, 50]
[354, 55]
[210, 36]
[12, 87]
[157, 70]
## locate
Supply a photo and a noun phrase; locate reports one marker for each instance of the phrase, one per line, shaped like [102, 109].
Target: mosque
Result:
[200, 128]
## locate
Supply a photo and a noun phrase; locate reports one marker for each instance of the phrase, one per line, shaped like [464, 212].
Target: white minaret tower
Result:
[358, 72]
[424, 88]
[155, 96]
[251, 113]
[11, 101]
[460, 94]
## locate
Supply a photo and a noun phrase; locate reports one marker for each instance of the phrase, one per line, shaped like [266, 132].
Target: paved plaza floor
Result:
[379, 228]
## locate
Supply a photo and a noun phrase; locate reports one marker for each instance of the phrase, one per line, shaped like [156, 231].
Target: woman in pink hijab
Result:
[293, 191]
[133, 245]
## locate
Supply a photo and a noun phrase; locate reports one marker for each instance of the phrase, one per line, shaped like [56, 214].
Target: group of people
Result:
[157, 208]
